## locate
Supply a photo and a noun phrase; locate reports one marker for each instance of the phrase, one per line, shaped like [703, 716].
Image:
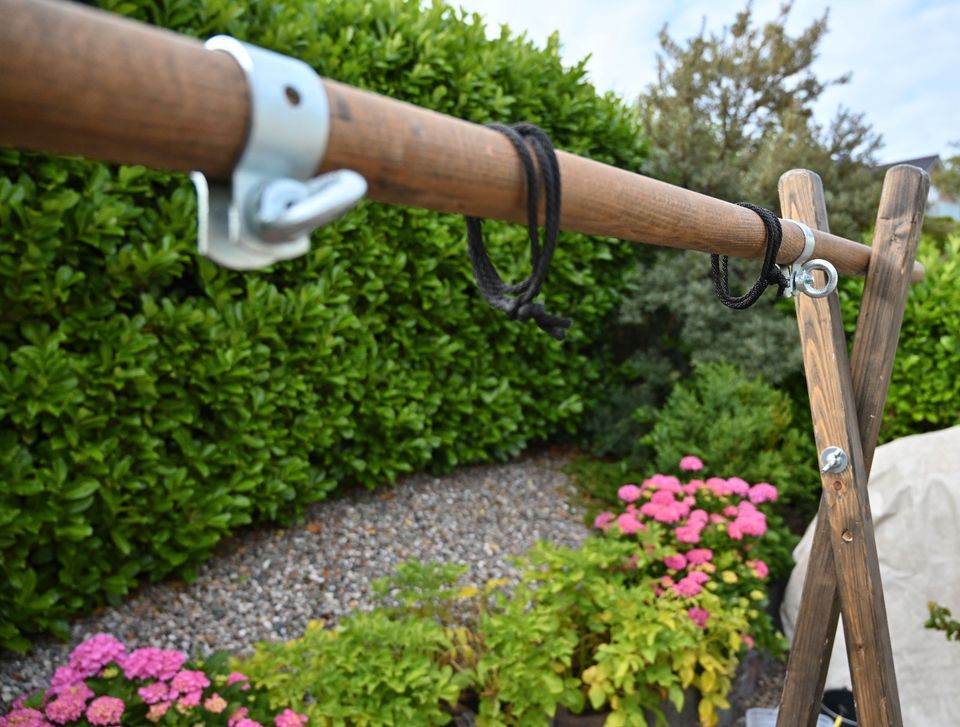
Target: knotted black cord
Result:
[516, 300]
[769, 274]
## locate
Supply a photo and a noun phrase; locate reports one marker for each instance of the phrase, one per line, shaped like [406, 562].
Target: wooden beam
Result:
[75, 80]
[897, 232]
[896, 236]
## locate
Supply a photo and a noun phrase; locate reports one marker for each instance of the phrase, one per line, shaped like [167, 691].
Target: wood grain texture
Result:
[813, 638]
[802, 198]
[895, 239]
[76, 80]
[845, 508]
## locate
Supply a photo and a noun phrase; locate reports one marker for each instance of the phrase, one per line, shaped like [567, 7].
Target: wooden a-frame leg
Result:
[844, 526]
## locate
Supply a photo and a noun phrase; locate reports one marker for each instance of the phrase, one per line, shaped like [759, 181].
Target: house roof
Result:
[925, 163]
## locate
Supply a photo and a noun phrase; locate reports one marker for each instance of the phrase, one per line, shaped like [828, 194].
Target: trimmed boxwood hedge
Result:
[924, 392]
[151, 402]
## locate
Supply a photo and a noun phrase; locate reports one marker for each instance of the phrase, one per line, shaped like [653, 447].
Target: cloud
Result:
[904, 54]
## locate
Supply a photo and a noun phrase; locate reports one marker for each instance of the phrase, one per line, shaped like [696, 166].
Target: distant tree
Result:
[947, 177]
[730, 113]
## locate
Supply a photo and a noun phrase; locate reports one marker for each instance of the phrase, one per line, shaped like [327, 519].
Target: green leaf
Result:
[83, 489]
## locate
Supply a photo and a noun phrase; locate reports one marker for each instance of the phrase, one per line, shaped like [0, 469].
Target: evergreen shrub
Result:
[924, 390]
[150, 402]
[740, 424]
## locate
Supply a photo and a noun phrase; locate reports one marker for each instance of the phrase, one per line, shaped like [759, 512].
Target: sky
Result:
[904, 54]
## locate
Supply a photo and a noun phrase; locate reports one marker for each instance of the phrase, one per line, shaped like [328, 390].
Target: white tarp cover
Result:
[915, 499]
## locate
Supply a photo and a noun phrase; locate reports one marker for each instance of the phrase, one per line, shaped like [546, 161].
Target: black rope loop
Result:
[770, 274]
[516, 300]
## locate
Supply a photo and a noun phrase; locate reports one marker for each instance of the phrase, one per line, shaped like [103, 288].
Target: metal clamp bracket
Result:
[799, 273]
[271, 205]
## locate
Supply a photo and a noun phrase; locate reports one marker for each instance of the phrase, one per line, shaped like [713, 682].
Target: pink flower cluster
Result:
[699, 616]
[724, 508]
[151, 663]
[71, 700]
[667, 501]
[95, 653]
[289, 718]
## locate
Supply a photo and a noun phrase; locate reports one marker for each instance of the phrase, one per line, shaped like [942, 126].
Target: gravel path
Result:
[269, 583]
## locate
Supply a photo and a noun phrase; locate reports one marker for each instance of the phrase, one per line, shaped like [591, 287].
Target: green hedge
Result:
[151, 402]
[924, 390]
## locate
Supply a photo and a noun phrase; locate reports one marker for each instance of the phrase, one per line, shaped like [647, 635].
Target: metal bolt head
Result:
[833, 459]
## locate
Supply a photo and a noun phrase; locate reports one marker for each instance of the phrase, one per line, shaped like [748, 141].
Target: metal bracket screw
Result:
[269, 207]
[833, 459]
[799, 273]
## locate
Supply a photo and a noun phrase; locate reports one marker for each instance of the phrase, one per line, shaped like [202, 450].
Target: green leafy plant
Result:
[941, 619]
[151, 403]
[524, 669]
[739, 425]
[587, 625]
[924, 392]
[371, 670]
[639, 645]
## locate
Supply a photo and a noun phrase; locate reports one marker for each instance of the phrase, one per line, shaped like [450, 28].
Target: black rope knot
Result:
[516, 300]
[770, 273]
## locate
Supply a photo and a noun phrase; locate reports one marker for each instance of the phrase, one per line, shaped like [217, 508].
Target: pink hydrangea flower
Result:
[750, 521]
[190, 699]
[699, 556]
[105, 710]
[629, 493]
[25, 717]
[676, 562]
[78, 691]
[240, 714]
[731, 511]
[763, 492]
[64, 677]
[235, 677]
[65, 708]
[604, 520]
[151, 663]
[289, 718]
[248, 723]
[628, 523]
[156, 692]
[698, 518]
[691, 463]
[189, 681]
[692, 487]
[665, 483]
[157, 711]
[759, 568]
[748, 640]
[738, 487]
[95, 653]
[688, 534]
[718, 486]
[699, 616]
[667, 582]
[664, 508]
[687, 587]
[215, 703]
